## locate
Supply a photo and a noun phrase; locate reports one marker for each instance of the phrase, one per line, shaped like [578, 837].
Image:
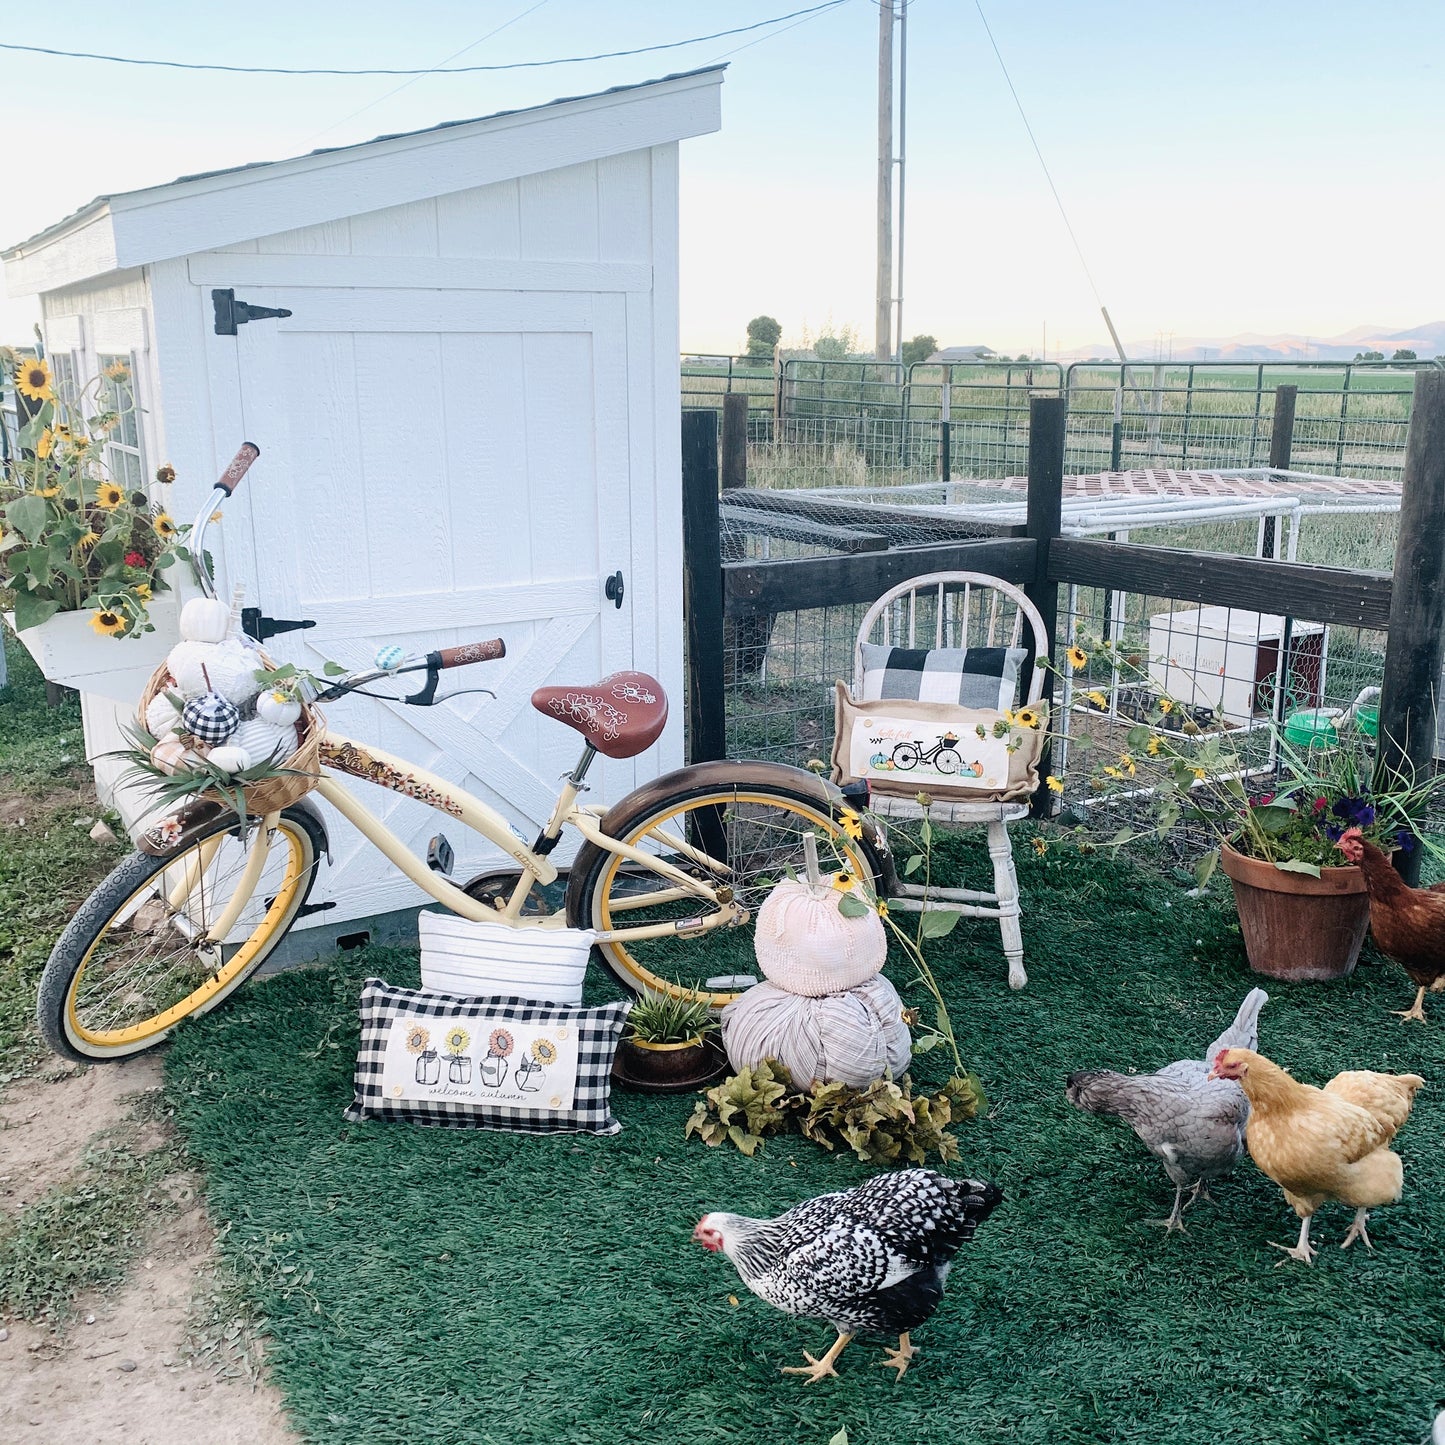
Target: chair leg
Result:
[1006, 885]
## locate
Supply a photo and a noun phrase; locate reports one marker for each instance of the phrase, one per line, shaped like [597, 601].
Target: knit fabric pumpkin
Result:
[806, 946]
[846, 1038]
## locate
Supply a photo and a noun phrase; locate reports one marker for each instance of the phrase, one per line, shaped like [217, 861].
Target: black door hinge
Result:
[231, 313]
[259, 628]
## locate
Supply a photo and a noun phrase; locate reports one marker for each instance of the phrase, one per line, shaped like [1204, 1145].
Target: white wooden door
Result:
[437, 466]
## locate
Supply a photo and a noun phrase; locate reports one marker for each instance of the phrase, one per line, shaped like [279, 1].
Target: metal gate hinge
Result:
[231, 313]
[260, 628]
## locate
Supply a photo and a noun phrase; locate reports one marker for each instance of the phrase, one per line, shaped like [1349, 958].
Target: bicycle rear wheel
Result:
[132, 964]
[743, 839]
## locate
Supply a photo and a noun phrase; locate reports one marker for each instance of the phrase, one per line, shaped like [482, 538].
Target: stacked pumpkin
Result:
[825, 1011]
[209, 704]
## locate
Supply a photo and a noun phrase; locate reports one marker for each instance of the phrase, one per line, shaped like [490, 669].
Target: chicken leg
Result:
[1416, 1011]
[1357, 1231]
[899, 1359]
[816, 1369]
[1176, 1217]
[1302, 1250]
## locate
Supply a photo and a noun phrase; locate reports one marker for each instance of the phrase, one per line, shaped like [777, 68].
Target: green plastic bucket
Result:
[1367, 719]
[1312, 728]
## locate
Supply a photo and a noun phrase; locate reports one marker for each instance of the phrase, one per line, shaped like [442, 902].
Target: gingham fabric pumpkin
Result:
[210, 718]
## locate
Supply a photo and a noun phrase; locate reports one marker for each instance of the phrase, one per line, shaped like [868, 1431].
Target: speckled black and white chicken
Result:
[868, 1260]
[1186, 1120]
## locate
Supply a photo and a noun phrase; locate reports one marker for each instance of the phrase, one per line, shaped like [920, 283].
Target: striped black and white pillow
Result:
[485, 1063]
[985, 677]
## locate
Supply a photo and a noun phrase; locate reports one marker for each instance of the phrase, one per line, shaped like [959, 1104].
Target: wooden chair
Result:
[962, 609]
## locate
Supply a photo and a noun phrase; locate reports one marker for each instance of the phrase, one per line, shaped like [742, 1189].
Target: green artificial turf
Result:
[429, 1285]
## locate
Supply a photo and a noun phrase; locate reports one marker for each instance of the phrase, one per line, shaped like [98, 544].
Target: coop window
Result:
[63, 374]
[123, 454]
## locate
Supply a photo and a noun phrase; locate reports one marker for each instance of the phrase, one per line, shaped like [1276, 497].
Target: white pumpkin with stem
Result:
[278, 708]
[205, 619]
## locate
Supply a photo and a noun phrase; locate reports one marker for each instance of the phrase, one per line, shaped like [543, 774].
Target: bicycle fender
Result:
[181, 828]
[700, 777]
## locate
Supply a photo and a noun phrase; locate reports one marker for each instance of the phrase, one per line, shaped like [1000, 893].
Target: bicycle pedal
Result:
[439, 855]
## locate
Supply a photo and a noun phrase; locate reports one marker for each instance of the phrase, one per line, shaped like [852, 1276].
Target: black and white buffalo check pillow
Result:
[984, 677]
[485, 1063]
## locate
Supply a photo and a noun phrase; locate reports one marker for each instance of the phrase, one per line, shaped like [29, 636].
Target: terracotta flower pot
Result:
[1296, 926]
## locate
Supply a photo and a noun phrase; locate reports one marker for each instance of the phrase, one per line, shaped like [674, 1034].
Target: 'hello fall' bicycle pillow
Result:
[485, 1063]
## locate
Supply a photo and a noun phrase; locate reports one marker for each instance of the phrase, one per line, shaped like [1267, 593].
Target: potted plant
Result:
[83, 555]
[1273, 808]
[667, 1043]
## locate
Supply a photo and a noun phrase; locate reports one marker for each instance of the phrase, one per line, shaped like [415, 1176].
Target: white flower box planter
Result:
[70, 651]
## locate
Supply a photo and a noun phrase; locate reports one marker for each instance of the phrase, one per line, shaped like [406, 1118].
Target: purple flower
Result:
[1334, 832]
[1355, 811]
[1405, 840]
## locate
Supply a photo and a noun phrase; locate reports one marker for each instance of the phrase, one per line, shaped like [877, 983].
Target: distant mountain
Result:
[1425, 340]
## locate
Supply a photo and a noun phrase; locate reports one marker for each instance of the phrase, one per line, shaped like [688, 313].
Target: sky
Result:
[1226, 167]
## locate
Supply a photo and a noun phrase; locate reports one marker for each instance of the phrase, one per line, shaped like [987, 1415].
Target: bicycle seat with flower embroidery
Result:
[620, 716]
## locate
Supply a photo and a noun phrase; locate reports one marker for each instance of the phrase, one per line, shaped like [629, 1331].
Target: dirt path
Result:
[118, 1374]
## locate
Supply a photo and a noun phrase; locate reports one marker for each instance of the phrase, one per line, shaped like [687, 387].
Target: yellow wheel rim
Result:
[606, 920]
[200, 998]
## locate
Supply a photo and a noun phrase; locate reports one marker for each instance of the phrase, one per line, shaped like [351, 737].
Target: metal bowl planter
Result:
[669, 1067]
[1296, 926]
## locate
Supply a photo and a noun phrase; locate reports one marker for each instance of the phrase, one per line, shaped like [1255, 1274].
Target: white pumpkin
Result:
[277, 708]
[266, 742]
[807, 946]
[227, 667]
[162, 716]
[229, 758]
[170, 755]
[203, 619]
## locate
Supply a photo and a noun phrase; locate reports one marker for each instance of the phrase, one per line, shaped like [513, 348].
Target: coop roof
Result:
[219, 208]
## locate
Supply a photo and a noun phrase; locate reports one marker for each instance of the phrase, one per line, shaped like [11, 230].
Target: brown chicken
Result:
[1322, 1144]
[1408, 923]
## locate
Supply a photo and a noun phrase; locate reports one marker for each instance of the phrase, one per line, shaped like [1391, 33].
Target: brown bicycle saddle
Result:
[620, 716]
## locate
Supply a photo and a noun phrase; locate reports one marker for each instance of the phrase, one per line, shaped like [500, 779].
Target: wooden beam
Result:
[801, 529]
[1281, 442]
[750, 588]
[702, 589]
[734, 441]
[1317, 594]
[1047, 418]
[1417, 608]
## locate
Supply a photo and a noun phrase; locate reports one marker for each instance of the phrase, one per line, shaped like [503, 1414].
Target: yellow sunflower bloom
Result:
[1026, 717]
[1165, 706]
[1054, 785]
[1112, 773]
[457, 1040]
[1041, 846]
[1097, 698]
[48, 492]
[1009, 716]
[163, 524]
[1126, 761]
[852, 823]
[107, 623]
[543, 1052]
[32, 380]
[1199, 774]
[143, 591]
[1154, 745]
[109, 496]
[843, 881]
[88, 540]
[45, 444]
[1077, 657]
[117, 371]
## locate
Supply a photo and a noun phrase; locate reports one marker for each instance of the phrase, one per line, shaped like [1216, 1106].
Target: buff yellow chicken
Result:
[1322, 1144]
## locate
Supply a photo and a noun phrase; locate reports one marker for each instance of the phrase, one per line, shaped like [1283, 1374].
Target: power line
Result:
[808, 15]
[1058, 200]
[425, 70]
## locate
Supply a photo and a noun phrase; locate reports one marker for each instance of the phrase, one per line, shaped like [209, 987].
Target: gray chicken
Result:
[872, 1259]
[1191, 1124]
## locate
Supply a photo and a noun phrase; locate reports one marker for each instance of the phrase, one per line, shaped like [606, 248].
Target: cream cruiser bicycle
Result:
[670, 877]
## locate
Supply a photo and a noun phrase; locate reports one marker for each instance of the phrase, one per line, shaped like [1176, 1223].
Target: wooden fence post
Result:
[1047, 417]
[734, 441]
[1281, 440]
[1417, 606]
[702, 589]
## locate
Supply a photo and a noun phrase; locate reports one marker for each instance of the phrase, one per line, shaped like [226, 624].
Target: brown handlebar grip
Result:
[240, 464]
[472, 652]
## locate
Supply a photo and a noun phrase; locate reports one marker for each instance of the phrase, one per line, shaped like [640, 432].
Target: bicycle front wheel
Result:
[738, 841]
[134, 961]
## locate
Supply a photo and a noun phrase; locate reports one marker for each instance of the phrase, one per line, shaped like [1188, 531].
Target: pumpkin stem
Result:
[810, 860]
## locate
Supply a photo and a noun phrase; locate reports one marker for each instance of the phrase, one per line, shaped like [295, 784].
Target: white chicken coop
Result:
[466, 397]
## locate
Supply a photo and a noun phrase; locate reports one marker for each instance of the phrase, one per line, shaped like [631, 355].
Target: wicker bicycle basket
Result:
[302, 767]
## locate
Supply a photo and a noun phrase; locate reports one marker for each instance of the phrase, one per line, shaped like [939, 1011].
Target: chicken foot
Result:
[1301, 1251]
[1416, 1011]
[899, 1359]
[1176, 1217]
[1357, 1230]
[815, 1369]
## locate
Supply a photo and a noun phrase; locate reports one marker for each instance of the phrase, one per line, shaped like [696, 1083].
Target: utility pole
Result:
[883, 295]
[902, 163]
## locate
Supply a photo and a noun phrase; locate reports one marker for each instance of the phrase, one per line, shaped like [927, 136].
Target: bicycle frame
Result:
[344, 756]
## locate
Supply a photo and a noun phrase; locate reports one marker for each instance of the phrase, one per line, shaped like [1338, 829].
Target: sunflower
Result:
[1054, 785]
[143, 591]
[139, 499]
[852, 824]
[417, 1039]
[1077, 657]
[1041, 846]
[87, 541]
[882, 909]
[32, 380]
[543, 1052]
[924, 800]
[457, 1039]
[1126, 762]
[69, 504]
[48, 492]
[107, 623]
[45, 444]
[166, 473]
[109, 496]
[1026, 717]
[500, 1044]
[118, 371]
[1153, 746]
[1199, 775]
[1165, 706]
[1097, 698]
[163, 524]
[843, 881]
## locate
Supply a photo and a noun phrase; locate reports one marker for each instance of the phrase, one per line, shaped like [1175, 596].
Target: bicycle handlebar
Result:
[239, 465]
[470, 652]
